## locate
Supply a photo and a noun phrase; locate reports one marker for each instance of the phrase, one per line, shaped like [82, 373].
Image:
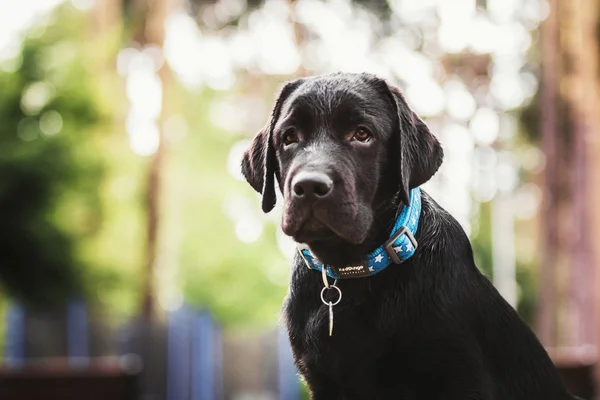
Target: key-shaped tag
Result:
[330, 318]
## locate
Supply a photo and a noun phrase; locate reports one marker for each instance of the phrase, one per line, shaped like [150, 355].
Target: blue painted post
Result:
[218, 362]
[179, 358]
[14, 339]
[203, 364]
[77, 334]
[289, 384]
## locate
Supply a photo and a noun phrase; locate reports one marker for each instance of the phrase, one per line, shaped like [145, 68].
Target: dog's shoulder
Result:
[438, 229]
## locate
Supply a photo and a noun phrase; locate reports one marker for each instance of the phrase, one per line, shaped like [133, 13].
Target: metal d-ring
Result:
[329, 303]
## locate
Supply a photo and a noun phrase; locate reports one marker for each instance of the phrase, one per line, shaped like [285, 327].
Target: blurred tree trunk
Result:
[587, 94]
[549, 128]
[569, 106]
[581, 48]
[299, 38]
[106, 16]
[148, 19]
[105, 27]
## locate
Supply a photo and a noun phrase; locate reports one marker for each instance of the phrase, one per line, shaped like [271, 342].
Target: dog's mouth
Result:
[329, 237]
[314, 230]
[320, 226]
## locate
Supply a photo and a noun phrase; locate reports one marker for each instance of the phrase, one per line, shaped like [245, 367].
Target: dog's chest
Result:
[348, 354]
[357, 327]
[357, 357]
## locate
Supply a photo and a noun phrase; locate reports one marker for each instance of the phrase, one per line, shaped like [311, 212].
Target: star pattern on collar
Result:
[379, 258]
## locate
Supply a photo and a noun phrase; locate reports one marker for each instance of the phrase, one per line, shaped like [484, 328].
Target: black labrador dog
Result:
[347, 152]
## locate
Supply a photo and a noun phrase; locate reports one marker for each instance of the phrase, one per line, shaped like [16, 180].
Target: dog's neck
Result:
[339, 252]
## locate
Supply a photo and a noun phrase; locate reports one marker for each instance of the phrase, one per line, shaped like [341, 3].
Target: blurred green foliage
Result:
[481, 241]
[49, 169]
[72, 221]
[242, 283]
[73, 198]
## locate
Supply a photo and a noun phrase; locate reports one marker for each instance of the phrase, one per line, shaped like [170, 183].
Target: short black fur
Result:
[431, 328]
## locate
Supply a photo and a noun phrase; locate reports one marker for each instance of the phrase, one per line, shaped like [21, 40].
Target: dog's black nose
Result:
[311, 184]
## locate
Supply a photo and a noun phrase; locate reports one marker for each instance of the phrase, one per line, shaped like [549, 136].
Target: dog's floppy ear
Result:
[259, 165]
[419, 152]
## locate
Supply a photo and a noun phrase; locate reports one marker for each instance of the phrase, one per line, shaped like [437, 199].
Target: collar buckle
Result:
[389, 244]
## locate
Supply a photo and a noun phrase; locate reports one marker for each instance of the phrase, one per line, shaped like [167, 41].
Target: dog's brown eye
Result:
[290, 137]
[362, 135]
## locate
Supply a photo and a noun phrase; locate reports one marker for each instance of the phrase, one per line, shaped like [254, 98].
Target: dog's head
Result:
[340, 146]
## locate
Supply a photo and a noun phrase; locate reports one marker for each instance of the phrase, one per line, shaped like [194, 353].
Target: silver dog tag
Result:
[330, 304]
[330, 319]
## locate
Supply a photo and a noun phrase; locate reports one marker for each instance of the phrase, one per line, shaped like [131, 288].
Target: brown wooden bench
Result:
[56, 379]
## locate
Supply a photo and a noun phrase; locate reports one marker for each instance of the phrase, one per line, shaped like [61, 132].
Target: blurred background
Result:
[135, 263]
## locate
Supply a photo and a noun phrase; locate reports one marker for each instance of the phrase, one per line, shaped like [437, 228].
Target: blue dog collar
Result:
[398, 248]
